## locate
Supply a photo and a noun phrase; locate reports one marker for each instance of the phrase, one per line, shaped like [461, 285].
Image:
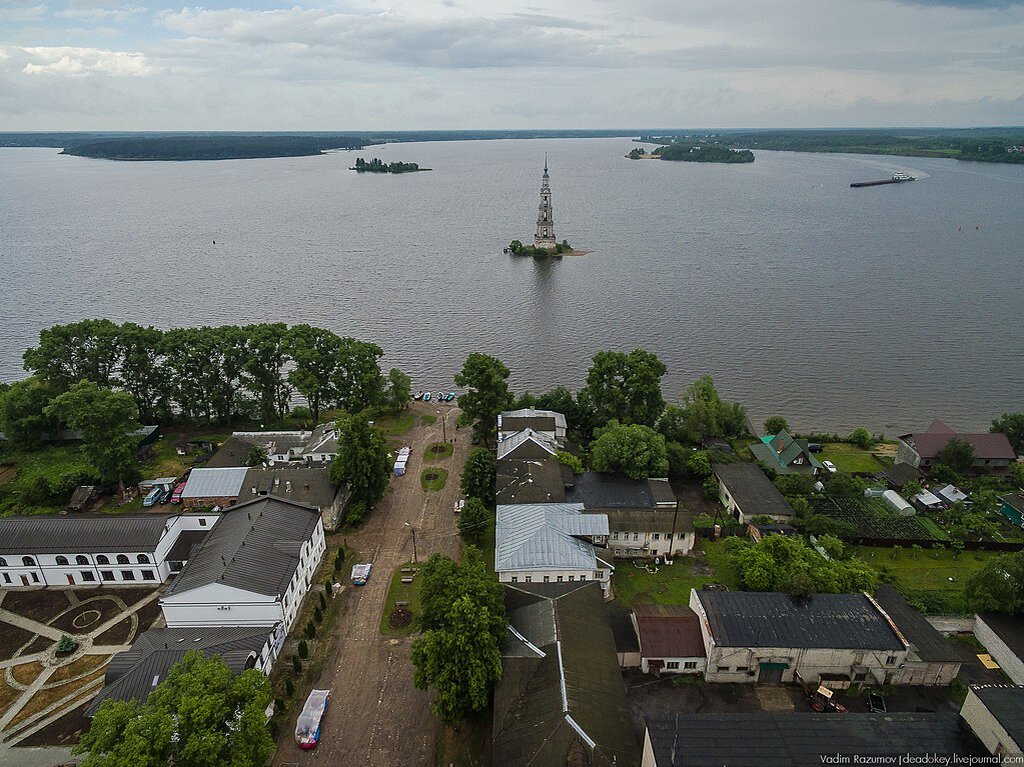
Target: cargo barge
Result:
[897, 178]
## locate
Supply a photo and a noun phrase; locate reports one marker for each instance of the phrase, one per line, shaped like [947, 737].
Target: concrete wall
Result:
[951, 624]
[553, 576]
[623, 544]
[742, 664]
[921, 673]
[1000, 652]
[906, 454]
[992, 734]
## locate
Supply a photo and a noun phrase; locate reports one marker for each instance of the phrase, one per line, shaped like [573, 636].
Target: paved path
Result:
[377, 717]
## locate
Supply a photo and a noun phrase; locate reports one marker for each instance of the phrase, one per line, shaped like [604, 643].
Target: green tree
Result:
[626, 387]
[795, 484]
[257, 456]
[1017, 474]
[479, 475]
[775, 424]
[958, 454]
[570, 460]
[23, 417]
[363, 460]
[316, 355]
[578, 414]
[637, 450]
[80, 351]
[1012, 425]
[358, 378]
[843, 485]
[678, 456]
[698, 465]
[783, 563]
[107, 421]
[141, 372]
[443, 580]
[486, 378]
[998, 586]
[267, 346]
[703, 414]
[399, 389]
[473, 521]
[862, 438]
[201, 714]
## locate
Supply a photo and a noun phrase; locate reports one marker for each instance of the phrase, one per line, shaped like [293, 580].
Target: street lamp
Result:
[415, 559]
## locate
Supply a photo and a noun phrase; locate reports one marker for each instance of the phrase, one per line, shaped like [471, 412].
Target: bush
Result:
[328, 589]
[278, 705]
[296, 664]
[289, 687]
[710, 487]
[775, 424]
[303, 649]
[323, 602]
[66, 645]
[862, 438]
[310, 630]
[341, 554]
[318, 615]
[356, 513]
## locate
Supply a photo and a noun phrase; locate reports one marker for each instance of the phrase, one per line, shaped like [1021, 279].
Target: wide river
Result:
[835, 307]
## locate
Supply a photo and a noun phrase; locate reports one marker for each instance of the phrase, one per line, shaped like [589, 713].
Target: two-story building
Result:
[992, 451]
[786, 454]
[548, 423]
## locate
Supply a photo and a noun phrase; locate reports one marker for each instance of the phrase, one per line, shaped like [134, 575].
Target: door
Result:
[71, 579]
[770, 674]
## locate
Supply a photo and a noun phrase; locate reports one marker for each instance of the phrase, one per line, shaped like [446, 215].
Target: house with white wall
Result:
[746, 492]
[995, 714]
[548, 423]
[252, 570]
[671, 641]
[96, 551]
[1003, 637]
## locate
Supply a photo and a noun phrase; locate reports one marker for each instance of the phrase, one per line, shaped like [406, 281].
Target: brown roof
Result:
[669, 631]
[987, 446]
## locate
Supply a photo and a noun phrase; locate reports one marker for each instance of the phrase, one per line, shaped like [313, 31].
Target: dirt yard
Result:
[376, 717]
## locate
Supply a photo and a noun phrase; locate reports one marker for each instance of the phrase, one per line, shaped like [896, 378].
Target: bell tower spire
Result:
[545, 237]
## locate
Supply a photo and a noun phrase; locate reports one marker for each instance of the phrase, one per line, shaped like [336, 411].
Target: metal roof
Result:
[669, 631]
[752, 490]
[648, 521]
[928, 644]
[132, 675]
[546, 420]
[987, 445]
[1006, 704]
[308, 485]
[81, 535]
[528, 444]
[215, 483]
[829, 621]
[534, 480]
[254, 547]
[803, 739]
[597, 490]
[546, 536]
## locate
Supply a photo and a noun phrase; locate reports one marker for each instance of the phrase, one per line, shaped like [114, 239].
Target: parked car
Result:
[178, 490]
[165, 495]
[361, 574]
[152, 497]
[459, 505]
[307, 726]
[815, 447]
[830, 466]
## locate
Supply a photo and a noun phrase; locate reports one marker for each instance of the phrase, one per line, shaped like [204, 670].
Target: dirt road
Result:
[376, 716]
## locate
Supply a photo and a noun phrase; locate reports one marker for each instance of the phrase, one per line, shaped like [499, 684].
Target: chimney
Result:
[306, 487]
[277, 481]
[288, 486]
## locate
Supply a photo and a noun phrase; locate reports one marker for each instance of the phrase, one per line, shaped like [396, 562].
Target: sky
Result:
[479, 64]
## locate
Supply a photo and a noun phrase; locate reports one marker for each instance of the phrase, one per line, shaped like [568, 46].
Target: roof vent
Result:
[287, 485]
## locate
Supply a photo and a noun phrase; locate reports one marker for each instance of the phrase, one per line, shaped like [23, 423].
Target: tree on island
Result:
[488, 395]
[201, 714]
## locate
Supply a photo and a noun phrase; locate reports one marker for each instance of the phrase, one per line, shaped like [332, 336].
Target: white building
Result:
[551, 543]
[547, 422]
[252, 570]
[97, 551]
[995, 714]
[746, 492]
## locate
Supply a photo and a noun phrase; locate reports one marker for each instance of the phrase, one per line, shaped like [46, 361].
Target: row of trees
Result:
[213, 373]
[782, 563]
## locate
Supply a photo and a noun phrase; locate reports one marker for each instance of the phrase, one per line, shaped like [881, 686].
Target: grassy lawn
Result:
[396, 424]
[428, 420]
[51, 463]
[438, 451]
[850, 458]
[671, 584]
[433, 478]
[401, 592]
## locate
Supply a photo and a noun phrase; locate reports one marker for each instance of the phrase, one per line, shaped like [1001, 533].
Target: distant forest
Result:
[209, 147]
[684, 151]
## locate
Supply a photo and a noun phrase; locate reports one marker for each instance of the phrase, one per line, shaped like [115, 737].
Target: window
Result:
[88, 575]
[741, 668]
[615, 536]
[682, 535]
[127, 575]
[142, 559]
[35, 577]
[572, 578]
[147, 575]
[560, 578]
[722, 668]
[62, 560]
[202, 522]
[123, 560]
[547, 579]
[636, 536]
[102, 560]
[7, 577]
[28, 561]
[672, 664]
[529, 579]
[690, 664]
[515, 579]
[890, 659]
[3, 562]
[81, 559]
[107, 575]
[860, 677]
[657, 536]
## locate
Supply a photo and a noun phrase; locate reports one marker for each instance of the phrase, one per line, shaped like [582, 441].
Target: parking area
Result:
[42, 684]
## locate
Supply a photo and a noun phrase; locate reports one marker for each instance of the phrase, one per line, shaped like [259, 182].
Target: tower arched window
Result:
[102, 560]
[123, 560]
[143, 559]
[81, 559]
[3, 562]
[62, 560]
[28, 561]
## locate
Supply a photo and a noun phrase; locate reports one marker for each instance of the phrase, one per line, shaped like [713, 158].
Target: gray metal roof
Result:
[81, 535]
[542, 419]
[527, 444]
[132, 675]
[254, 547]
[752, 489]
[830, 621]
[215, 483]
[546, 536]
[803, 739]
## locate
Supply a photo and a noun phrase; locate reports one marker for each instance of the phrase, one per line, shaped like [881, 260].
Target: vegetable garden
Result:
[874, 522]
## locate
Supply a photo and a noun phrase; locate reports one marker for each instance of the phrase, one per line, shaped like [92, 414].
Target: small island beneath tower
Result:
[377, 166]
[544, 243]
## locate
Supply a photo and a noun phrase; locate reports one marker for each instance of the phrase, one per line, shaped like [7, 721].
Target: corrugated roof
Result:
[669, 631]
[254, 547]
[542, 536]
[769, 619]
[752, 490]
[81, 535]
[215, 483]
[527, 444]
[803, 739]
[542, 419]
[132, 675]
[529, 481]
[1006, 704]
[928, 644]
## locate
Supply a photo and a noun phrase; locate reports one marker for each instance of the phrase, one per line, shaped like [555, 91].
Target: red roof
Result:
[986, 446]
[669, 631]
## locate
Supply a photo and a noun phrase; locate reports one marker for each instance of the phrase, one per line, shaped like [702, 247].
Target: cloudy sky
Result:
[435, 64]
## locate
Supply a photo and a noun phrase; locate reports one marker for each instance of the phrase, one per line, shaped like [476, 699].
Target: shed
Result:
[82, 497]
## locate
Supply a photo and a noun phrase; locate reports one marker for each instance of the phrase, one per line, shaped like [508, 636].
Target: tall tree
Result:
[473, 521]
[399, 389]
[23, 417]
[264, 368]
[363, 460]
[80, 351]
[1012, 425]
[106, 420]
[703, 414]
[317, 355]
[626, 387]
[479, 475]
[201, 715]
[998, 586]
[637, 450]
[443, 580]
[141, 373]
[358, 381]
[782, 563]
[488, 395]
[958, 454]
[774, 424]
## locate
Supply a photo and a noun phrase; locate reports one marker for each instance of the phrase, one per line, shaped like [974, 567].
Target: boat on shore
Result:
[897, 178]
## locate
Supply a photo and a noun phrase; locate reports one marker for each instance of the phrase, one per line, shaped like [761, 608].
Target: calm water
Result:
[832, 306]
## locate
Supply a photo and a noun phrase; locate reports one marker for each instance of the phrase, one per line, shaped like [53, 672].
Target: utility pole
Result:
[444, 426]
[415, 558]
[672, 538]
